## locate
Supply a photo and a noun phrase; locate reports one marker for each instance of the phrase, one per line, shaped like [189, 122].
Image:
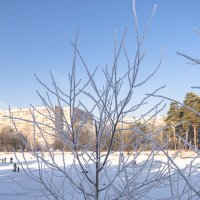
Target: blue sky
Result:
[35, 37]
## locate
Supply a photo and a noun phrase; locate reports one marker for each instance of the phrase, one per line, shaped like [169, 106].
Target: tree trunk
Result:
[97, 164]
[175, 146]
[195, 137]
[186, 138]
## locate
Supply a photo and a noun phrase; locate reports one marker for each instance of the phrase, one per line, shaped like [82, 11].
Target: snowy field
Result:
[19, 186]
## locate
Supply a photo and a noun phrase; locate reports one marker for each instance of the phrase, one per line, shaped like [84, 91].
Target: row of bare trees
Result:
[10, 139]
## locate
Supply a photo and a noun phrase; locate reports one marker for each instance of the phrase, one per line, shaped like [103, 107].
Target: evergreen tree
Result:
[172, 119]
[190, 126]
[192, 119]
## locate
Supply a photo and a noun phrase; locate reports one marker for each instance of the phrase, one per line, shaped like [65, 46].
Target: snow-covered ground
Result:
[19, 186]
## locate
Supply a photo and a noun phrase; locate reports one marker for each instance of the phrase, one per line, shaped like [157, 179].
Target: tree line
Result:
[184, 121]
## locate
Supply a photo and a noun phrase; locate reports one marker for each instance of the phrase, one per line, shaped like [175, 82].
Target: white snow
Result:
[19, 186]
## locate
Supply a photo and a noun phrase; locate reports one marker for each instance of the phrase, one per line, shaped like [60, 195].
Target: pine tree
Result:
[192, 100]
[173, 117]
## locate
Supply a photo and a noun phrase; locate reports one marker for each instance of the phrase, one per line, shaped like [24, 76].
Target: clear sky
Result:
[35, 37]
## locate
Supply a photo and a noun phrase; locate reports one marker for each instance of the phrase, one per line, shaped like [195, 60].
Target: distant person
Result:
[11, 160]
[18, 168]
[122, 157]
[5, 159]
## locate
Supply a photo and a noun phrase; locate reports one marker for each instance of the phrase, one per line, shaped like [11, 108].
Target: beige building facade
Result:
[37, 123]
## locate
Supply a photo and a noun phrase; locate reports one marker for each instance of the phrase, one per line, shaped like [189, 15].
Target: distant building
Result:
[32, 122]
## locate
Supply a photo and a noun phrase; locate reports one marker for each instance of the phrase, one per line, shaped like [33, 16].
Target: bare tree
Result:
[192, 60]
[10, 139]
[91, 173]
